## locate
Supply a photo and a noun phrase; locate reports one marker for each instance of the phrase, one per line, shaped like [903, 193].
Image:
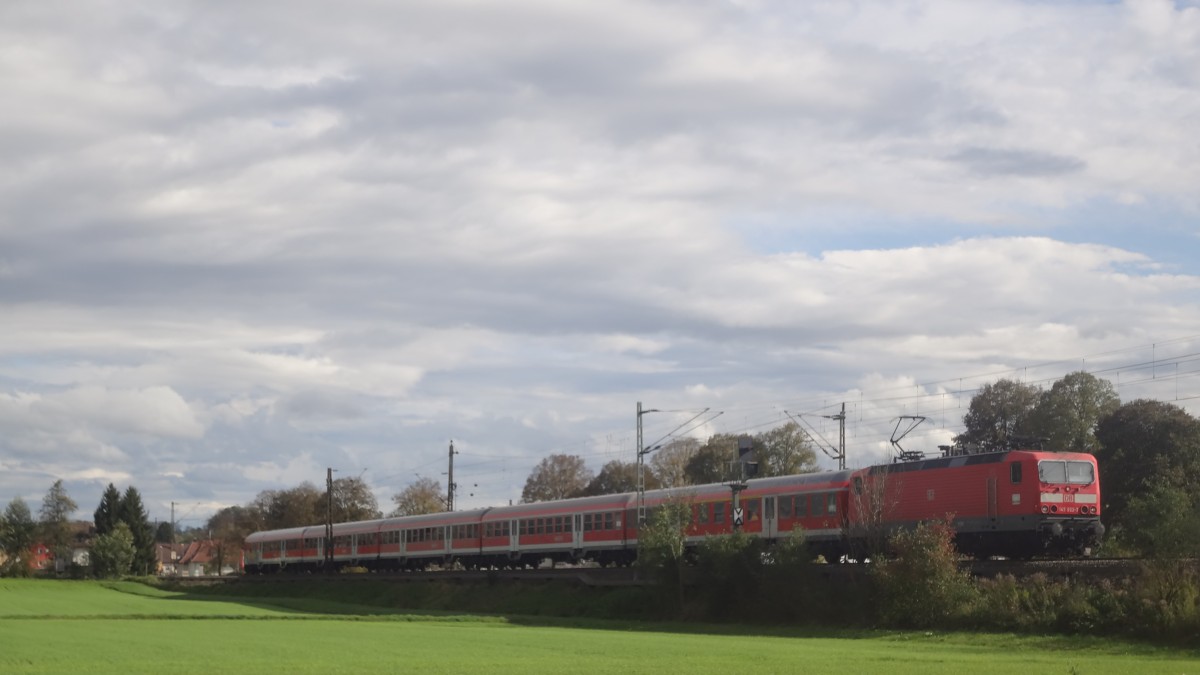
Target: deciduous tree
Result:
[18, 533]
[556, 477]
[712, 463]
[784, 451]
[421, 497]
[113, 552]
[999, 414]
[54, 520]
[617, 477]
[296, 507]
[1068, 413]
[670, 461]
[1143, 444]
[353, 500]
[228, 528]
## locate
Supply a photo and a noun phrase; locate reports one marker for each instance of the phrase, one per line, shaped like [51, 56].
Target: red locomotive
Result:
[1016, 503]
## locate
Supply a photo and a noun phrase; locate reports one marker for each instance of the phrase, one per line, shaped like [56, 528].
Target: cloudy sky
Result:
[242, 242]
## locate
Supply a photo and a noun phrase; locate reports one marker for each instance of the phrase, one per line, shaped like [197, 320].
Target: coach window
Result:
[785, 507]
[719, 512]
[702, 513]
[1014, 473]
[752, 509]
[608, 521]
[831, 500]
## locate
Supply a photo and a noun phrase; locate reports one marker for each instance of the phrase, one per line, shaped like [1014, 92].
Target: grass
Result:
[55, 627]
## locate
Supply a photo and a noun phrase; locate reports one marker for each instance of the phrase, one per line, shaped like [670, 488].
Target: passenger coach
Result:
[1019, 503]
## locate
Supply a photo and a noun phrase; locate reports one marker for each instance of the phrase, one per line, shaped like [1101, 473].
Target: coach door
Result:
[770, 525]
[514, 534]
[577, 531]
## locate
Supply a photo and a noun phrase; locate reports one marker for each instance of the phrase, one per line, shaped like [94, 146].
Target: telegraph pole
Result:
[451, 486]
[841, 419]
[642, 451]
[329, 519]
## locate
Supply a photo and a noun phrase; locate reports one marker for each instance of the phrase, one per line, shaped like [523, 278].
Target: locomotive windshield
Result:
[1074, 472]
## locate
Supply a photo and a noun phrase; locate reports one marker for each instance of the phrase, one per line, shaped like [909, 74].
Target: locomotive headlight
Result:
[1045, 509]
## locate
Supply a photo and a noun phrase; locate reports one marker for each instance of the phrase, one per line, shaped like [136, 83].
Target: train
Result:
[1013, 503]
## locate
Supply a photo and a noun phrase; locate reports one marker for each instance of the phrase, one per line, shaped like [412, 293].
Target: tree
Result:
[165, 533]
[1163, 521]
[55, 520]
[113, 552]
[1068, 413]
[922, 585]
[999, 414]
[300, 506]
[228, 528]
[353, 500]
[784, 451]
[108, 514]
[662, 547]
[423, 496]
[18, 534]
[1144, 444]
[670, 462]
[556, 477]
[133, 514]
[712, 462]
[617, 477]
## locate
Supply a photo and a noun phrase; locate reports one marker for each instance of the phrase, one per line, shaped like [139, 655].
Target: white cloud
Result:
[243, 244]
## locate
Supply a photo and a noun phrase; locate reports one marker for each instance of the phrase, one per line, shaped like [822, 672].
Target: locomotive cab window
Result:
[1073, 472]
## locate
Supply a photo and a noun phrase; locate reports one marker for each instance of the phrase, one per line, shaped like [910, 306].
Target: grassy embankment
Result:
[53, 627]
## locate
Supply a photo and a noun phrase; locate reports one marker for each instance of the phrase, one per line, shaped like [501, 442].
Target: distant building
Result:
[200, 557]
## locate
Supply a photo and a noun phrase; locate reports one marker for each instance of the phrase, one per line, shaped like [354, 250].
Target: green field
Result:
[60, 627]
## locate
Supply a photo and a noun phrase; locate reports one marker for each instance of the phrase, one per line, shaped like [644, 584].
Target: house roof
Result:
[199, 552]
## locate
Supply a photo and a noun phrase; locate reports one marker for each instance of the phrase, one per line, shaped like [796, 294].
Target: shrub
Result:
[921, 585]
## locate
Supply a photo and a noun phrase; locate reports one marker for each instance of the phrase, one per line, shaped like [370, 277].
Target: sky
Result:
[242, 243]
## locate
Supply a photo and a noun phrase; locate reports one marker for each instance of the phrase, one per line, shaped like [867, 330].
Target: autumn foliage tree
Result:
[353, 500]
[558, 476]
[54, 520]
[421, 497]
[617, 477]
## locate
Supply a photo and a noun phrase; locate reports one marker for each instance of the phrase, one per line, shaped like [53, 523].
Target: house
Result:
[200, 557]
[167, 557]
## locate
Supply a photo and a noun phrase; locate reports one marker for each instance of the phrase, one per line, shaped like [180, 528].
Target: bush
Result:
[1168, 598]
[921, 585]
[730, 569]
